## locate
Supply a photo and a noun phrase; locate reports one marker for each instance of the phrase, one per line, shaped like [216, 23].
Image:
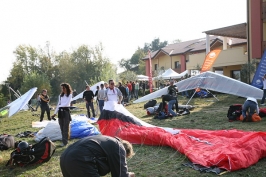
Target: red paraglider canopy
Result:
[226, 149]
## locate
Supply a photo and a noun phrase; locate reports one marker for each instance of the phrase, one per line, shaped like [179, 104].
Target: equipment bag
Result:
[38, 153]
[234, 112]
[150, 103]
[6, 142]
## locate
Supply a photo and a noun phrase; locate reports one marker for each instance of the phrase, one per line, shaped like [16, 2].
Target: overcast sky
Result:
[120, 25]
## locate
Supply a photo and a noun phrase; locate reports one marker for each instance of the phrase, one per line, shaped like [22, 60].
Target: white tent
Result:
[184, 73]
[210, 81]
[168, 74]
[142, 78]
[93, 88]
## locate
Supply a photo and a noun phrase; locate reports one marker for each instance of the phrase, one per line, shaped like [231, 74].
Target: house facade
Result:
[190, 55]
[240, 44]
[256, 16]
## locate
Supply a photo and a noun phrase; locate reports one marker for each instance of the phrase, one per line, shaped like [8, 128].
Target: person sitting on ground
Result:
[249, 108]
[96, 156]
[171, 101]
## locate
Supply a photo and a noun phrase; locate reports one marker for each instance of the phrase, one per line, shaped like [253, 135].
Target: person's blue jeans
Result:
[263, 97]
[101, 104]
[248, 107]
[137, 93]
[170, 107]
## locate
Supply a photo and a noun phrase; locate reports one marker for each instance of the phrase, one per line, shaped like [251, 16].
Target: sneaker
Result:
[53, 118]
[262, 104]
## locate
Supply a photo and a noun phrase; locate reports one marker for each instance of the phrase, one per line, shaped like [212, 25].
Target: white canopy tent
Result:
[142, 78]
[210, 81]
[168, 74]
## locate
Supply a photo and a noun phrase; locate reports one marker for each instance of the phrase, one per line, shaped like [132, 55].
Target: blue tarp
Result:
[80, 127]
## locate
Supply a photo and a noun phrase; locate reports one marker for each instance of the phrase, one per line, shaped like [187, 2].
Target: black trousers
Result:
[89, 106]
[72, 166]
[45, 107]
[64, 125]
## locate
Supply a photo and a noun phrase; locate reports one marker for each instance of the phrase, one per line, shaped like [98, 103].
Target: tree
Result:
[127, 76]
[154, 45]
[247, 69]
[34, 79]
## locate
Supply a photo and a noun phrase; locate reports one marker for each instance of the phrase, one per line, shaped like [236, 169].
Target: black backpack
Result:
[150, 103]
[6, 142]
[234, 112]
[39, 153]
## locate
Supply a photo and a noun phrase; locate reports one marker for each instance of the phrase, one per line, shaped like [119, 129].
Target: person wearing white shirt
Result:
[249, 108]
[63, 111]
[113, 93]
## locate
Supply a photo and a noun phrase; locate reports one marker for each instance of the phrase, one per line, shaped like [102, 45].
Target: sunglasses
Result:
[112, 83]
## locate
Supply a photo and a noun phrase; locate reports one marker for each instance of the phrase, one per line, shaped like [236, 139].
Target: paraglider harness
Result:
[38, 153]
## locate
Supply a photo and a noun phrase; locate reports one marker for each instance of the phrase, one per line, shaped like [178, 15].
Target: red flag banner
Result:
[210, 59]
[150, 73]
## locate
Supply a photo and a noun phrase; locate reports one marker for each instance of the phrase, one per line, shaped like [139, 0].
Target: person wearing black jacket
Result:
[44, 104]
[96, 156]
[123, 91]
[171, 100]
[88, 96]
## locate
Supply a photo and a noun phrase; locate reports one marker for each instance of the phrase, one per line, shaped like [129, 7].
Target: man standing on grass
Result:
[137, 90]
[44, 102]
[113, 93]
[88, 96]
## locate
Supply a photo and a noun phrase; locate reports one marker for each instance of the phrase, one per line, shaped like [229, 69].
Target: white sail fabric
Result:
[20, 103]
[211, 81]
[93, 88]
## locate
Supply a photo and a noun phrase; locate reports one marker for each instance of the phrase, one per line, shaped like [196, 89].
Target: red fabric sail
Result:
[226, 149]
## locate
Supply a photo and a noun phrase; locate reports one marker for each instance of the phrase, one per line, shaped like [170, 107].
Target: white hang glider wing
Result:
[20, 102]
[93, 88]
[211, 81]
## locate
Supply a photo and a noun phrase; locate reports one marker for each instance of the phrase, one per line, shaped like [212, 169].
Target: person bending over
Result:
[249, 107]
[96, 156]
[171, 101]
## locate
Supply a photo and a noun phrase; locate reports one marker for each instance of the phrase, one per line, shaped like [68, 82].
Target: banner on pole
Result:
[210, 59]
[150, 73]
[261, 70]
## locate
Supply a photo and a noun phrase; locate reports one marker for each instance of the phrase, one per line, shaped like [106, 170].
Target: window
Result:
[177, 64]
[236, 75]
[155, 66]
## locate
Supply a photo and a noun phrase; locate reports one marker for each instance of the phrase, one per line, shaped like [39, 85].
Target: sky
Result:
[120, 25]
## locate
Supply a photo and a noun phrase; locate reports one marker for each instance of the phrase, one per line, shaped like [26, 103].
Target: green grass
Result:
[149, 161]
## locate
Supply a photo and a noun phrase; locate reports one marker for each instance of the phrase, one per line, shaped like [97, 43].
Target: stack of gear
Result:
[26, 154]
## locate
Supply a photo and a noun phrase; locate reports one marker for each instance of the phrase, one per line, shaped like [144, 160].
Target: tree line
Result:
[44, 68]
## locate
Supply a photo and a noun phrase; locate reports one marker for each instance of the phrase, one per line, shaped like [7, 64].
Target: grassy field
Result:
[149, 161]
